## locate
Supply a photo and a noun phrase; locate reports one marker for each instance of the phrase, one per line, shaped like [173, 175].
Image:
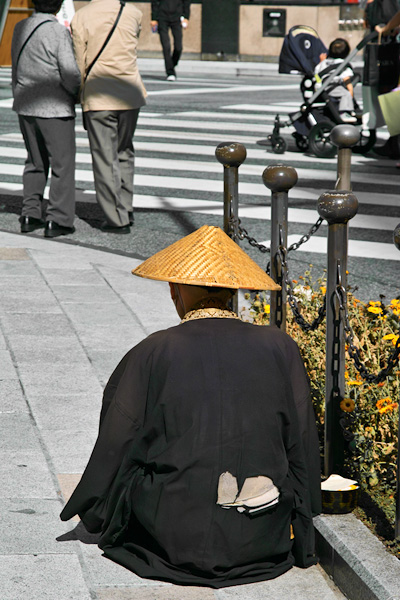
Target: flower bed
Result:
[370, 412]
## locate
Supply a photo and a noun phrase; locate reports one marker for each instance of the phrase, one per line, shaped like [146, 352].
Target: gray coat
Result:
[46, 80]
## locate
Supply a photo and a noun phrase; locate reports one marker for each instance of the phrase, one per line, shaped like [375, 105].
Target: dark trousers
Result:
[110, 134]
[170, 59]
[49, 143]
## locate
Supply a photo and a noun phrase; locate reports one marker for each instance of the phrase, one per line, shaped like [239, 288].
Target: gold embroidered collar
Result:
[209, 313]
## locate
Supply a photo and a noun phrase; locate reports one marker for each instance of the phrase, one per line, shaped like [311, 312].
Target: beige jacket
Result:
[114, 83]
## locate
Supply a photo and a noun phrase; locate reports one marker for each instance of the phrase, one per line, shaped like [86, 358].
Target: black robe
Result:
[182, 407]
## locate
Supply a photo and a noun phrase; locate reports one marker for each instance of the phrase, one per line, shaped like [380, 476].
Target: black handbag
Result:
[382, 65]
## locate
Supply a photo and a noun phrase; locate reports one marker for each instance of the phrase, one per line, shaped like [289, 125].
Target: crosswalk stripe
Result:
[357, 248]
[176, 151]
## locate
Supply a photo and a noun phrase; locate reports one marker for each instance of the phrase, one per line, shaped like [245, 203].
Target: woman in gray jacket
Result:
[46, 81]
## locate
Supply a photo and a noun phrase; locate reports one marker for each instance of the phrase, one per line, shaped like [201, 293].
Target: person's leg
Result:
[59, 136]
[102, 128]
[176, 30]
[127, 120]
[346, 103]
[36, 168]
[163, 28]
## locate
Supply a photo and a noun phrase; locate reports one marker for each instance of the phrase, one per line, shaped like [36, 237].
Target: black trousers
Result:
[170, 58]
[50, 143]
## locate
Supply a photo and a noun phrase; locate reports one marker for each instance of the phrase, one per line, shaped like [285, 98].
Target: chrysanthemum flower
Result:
[347, 405]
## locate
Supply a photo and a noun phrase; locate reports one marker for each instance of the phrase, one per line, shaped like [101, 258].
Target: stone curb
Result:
[355, 559]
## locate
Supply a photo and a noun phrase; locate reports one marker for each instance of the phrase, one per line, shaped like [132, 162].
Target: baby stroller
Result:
[319, 112]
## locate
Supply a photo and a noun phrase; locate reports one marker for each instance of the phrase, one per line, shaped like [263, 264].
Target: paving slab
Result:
[11, 397]
[7, 370]
[39, 350]
[25, 474]
[58, 381]
[156, 593]
[42, 577]
[37, 324]
[31, 526]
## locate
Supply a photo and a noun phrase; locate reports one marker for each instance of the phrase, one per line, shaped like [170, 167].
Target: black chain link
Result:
[300, 320]
[306, 237]
[243, 234]
[354, 352]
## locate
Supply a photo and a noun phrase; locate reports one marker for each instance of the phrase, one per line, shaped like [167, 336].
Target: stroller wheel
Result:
[302, 142]
[279, 146]
[366, 143]
[320, 142]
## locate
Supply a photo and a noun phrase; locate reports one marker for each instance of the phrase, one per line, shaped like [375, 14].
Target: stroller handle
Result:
[368, 38]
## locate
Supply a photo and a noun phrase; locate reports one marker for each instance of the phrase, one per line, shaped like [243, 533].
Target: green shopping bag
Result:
[390, 107]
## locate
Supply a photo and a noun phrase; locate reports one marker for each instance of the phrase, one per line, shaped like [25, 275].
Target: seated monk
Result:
[206, 470]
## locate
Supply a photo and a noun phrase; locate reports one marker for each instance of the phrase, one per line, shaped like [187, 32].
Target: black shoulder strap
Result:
[27, 40]
[122, 3]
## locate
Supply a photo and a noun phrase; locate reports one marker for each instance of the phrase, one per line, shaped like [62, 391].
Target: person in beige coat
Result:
[111, 95]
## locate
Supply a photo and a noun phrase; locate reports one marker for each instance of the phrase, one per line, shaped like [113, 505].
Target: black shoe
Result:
[53, 230]
[112, 229]
[131, 217]
[29, 224]
[391, 149]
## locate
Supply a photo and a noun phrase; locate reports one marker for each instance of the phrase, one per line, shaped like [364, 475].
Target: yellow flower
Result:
[347, 405]
[369, 430]
[395, 302]
[374, 309]
[267, 309]
[353, 382]
[388, 408]
[382, 401]
[390, 336]
[323, 289]
[376, 303]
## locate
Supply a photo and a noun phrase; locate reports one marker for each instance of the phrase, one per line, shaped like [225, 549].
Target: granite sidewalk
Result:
[67, 316]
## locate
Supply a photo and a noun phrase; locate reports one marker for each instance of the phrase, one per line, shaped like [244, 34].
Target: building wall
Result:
[324, 19]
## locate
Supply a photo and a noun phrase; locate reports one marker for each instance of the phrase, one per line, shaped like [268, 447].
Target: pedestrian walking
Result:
[170, 15]
[206, 470]
[45, 84]
[105, 35]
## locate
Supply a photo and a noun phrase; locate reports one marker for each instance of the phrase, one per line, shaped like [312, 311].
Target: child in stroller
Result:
[320, 111]
[342, 86]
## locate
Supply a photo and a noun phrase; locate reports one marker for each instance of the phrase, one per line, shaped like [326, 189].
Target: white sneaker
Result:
[171, 78]
[348, 118]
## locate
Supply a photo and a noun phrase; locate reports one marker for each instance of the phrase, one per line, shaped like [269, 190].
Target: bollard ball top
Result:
[396, 237]
[279, 178]
[345, 136]
[230, 154]
[337, 206]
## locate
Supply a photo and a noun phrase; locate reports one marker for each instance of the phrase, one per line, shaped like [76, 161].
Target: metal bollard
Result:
[344, 137]
[279, 179]
[396, 237]
[231, 155]
[337, 207]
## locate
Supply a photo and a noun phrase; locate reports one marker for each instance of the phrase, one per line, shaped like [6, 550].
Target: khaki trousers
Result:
[110, 135]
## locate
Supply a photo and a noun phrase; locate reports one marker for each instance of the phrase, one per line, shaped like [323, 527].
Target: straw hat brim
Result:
[206, 257]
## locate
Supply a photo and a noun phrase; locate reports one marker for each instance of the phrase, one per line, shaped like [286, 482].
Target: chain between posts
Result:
[300, 320]
[352, 349]
[243, 234]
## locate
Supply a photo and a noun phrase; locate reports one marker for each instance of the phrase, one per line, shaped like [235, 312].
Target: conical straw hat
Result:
[206, 257]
